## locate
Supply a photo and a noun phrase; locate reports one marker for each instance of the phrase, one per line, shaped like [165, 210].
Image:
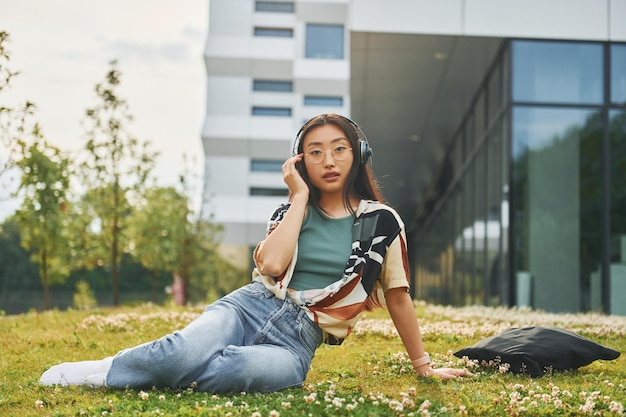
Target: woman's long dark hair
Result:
[361, 182]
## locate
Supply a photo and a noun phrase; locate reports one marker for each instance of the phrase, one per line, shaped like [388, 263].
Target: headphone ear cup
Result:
[365, 152]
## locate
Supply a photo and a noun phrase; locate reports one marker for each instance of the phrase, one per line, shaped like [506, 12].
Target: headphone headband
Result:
[365, 151]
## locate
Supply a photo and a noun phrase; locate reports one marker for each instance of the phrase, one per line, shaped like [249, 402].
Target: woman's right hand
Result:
[293, 179]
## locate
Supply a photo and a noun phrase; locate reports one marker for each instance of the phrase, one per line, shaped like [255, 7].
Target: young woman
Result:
[334, 250]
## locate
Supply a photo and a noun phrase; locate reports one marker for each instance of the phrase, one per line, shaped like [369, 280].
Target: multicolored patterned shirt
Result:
[378, 262]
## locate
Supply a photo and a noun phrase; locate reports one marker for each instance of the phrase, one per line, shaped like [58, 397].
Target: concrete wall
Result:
[599, 20]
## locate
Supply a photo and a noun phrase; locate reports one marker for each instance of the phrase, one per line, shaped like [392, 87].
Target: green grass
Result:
[368, 375]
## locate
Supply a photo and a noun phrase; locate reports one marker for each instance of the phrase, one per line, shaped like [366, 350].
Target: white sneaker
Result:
[87, 373]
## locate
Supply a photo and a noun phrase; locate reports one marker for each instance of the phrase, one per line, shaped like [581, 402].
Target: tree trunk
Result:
[179, 290]
[153, 282]
[114, 263]
[115, 248]
[44, 279]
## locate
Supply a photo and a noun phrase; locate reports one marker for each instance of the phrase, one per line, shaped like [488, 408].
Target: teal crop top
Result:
[324, 247]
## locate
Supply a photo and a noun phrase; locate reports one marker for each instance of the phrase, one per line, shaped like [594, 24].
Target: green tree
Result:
[6, 142]
[18, 275]
[160, 225]
[13, 121]
[44, 179]
[115, 170]
[166, 237]
[210, 275]
[44, 183]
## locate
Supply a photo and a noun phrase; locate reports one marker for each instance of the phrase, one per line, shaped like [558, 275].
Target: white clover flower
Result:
[616, 407]
[338, 402]
[144, 395]
[396, 405]
[38, 404]
[408, 403]
[588, 407]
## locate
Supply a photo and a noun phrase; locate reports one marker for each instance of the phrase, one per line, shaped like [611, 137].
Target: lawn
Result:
[369, 375]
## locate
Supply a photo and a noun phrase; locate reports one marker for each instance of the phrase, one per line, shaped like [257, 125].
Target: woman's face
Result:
[328, 158]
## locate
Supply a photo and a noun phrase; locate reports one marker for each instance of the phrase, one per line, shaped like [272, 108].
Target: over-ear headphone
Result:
[365, 151]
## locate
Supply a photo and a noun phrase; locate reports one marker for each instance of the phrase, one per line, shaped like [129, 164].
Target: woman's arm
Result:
[273, 254]
[400, 307]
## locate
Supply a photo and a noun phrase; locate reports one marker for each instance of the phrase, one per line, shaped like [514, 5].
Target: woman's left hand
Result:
[448, 373]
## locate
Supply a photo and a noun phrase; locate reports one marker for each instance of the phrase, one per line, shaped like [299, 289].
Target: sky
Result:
[62, 49]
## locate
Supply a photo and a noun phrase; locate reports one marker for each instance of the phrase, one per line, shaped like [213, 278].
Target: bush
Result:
[84, 298]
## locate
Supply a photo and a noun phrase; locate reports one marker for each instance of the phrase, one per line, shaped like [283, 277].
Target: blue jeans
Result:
[248, 341]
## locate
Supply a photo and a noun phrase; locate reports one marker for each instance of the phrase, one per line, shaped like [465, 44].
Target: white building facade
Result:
[486, 117]
[263, 81]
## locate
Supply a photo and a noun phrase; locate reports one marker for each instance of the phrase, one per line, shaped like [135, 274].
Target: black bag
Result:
[535, 350]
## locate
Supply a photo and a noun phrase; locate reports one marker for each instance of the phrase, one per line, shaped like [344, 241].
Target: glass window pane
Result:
[617, 135]
[273, 32]
[618, 74]
[468, 138]
[506, 75]
[479, 119]
[324, 41]
[468, 237]
[271, 111]
[480, 229]
[457, 153]
[323, 101]
[495, 93]
[268, 192]
[274, 6]
[495, 188]
[270, 85]
[264, 165]
[557, 72]
[557, 192]
[456, 290]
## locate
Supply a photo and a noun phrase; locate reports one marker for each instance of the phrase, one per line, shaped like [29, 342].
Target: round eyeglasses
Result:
[340, 153]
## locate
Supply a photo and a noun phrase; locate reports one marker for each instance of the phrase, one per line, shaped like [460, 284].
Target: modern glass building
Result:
[498, 129]
[530, 204]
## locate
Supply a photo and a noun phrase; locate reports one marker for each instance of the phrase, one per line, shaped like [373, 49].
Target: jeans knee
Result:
[252, 369]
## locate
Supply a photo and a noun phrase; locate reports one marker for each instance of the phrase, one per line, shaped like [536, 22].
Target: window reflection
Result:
[618, 74]
[324, 41]
[557, 72]
[557, 190]
[538, 168]
[617, 245]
